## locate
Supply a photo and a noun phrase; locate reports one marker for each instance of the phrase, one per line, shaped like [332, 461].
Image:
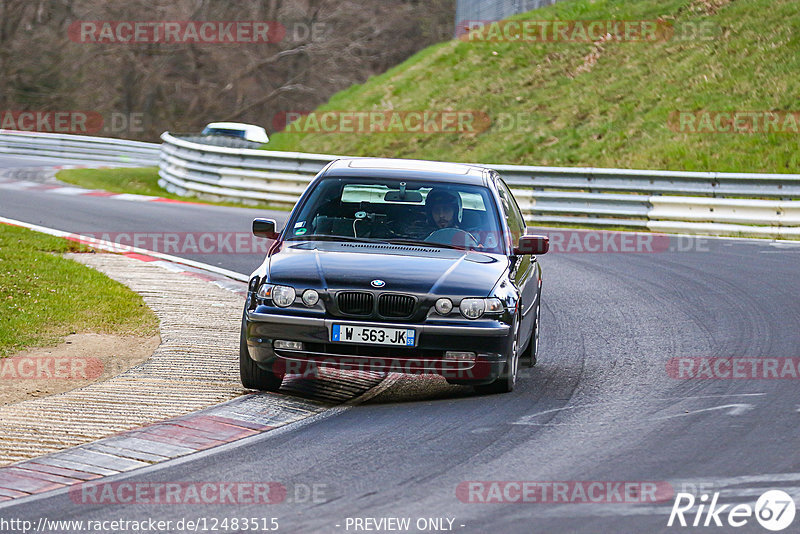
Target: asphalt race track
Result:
[600, 406]
[99, 216]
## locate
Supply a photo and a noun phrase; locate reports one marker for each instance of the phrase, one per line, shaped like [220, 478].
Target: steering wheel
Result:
[453, 236]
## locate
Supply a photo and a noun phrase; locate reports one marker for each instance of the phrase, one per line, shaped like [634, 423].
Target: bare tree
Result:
[328, 46]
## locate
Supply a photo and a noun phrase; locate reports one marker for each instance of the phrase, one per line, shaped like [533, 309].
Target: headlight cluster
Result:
[284, 296]
[470, 308]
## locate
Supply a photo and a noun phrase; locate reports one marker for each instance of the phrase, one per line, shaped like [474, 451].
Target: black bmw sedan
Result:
[396, 266]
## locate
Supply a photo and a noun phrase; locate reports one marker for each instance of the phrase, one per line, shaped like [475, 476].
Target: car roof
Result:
[251, 132]
[235, 126]
[410, 169]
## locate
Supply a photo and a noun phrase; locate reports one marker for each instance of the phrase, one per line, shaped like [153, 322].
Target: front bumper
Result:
[489, 339]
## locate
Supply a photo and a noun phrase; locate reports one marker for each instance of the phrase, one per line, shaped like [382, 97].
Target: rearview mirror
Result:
[265, 228]
[403, 196]
[532, 244]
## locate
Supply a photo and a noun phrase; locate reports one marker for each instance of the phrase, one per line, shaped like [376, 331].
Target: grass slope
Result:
[610, 113]
[44, 296]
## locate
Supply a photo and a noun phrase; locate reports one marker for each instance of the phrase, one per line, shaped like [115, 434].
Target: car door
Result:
[525, 277]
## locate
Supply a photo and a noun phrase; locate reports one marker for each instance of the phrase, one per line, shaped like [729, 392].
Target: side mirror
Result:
[265, 228]
[532, 244]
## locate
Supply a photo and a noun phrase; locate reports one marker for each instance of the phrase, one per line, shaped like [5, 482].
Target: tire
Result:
[508, 377]
[253, 376]
[530, 353]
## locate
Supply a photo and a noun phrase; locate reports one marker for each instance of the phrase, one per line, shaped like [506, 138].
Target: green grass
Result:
[140, 181]
[44, 297]
[614, 113]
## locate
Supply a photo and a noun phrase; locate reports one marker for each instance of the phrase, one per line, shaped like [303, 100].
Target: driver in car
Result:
[445, 212]
[444, 209]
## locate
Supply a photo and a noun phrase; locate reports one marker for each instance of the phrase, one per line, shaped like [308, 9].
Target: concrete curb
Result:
[193, 368]
[149, 413]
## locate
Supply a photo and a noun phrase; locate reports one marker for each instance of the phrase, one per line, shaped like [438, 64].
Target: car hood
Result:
[420, 270]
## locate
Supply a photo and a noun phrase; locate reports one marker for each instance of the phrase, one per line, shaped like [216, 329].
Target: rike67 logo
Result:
[774, 510]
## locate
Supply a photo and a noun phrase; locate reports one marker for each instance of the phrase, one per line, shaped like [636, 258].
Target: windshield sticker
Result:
[300, 231]
[300, 224]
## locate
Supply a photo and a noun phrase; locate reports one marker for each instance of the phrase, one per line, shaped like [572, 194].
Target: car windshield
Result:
[224, 131]
[409, 212]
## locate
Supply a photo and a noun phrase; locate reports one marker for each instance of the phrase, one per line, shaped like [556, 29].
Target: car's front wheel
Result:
[508, 377]
[253, 376]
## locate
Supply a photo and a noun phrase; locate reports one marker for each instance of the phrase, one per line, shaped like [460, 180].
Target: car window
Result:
[405, 210]
[224, 131]
[516, 222]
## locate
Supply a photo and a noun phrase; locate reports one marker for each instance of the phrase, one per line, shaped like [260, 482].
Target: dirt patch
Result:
[590, 60]
[82, 359]
[710, 7]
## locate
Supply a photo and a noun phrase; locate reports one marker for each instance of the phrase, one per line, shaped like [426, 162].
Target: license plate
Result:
[403, 337]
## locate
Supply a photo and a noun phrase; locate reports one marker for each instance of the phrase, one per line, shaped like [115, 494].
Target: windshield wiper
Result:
[416, 243]
[350, 239]
[324, 237]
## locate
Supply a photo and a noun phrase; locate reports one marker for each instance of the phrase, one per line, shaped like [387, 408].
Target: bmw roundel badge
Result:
[378, 283]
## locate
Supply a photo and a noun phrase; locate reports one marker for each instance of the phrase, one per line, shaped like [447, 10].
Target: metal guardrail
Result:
[489, 10]
[761, 205]
[189, 168]
[668, 201]
[79, 147]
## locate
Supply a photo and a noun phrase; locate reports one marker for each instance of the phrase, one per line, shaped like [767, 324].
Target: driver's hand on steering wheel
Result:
[453, 231]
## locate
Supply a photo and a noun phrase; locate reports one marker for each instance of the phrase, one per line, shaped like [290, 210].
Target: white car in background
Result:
[248, 132]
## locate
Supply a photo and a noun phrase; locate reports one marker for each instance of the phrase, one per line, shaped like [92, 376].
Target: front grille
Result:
[396, 306]
[355, 302]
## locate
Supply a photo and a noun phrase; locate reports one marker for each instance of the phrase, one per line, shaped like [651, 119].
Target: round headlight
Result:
[310, 297]
[283, 296]
[443, 306]
[472, 308]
